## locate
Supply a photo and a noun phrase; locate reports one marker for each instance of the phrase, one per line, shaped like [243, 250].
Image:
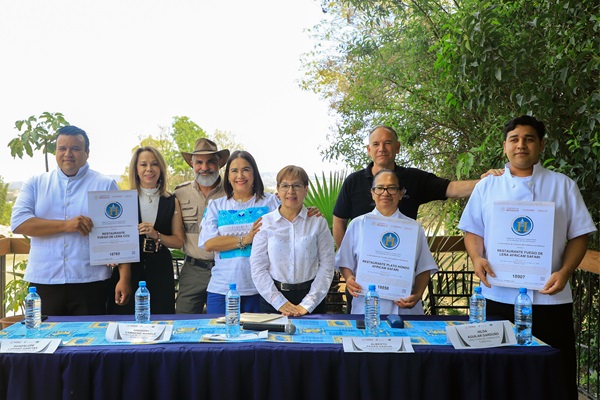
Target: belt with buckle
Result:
[290, 287]
[200, 263]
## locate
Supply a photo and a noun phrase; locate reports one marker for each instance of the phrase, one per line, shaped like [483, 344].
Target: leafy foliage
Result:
[323, 193]
[448, 75]
[16, 289]
[181, 136]
[5, 206]
[37, 133]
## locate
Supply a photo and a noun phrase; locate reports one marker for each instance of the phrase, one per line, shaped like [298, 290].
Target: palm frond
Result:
[323, 193]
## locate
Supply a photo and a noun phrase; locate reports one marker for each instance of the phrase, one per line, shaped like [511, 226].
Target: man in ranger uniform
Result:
[206, 160]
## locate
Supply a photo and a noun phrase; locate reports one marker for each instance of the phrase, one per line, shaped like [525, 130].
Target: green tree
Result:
[37, 133]
[184, 132]
[226, 140]
[5, 206]
[163, 144]
[448, 74]
[181, 137]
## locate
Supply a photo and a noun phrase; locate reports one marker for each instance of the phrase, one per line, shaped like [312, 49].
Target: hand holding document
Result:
[387, 256]
[520, 245]
[114, 238]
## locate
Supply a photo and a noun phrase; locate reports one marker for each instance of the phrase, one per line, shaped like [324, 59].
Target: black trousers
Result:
[552, 324]
[73, 298]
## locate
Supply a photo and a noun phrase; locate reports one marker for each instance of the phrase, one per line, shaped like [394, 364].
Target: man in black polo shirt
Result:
[420, 187]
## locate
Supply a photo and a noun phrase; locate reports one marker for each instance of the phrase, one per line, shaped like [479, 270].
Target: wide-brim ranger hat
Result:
[206, 146]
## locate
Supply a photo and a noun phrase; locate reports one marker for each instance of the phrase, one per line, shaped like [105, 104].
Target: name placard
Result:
[377, 345]
[482, 335]
[45, 346]
[138, 333]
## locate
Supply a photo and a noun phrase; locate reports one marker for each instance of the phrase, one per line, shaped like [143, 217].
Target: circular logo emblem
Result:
[522, 226]
[389, 240]
[113, 210]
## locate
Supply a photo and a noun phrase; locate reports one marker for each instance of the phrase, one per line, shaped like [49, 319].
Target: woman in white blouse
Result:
[228, 228]
[386, 193]
[292, 254]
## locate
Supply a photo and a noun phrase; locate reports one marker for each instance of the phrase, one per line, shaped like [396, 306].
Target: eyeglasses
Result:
[392, 190]
[284, 187]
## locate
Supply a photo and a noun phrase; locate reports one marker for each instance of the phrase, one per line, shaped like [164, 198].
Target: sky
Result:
[123, 69]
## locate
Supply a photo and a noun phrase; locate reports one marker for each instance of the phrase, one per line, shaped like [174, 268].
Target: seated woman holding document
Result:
[386, 193]
[292, 254]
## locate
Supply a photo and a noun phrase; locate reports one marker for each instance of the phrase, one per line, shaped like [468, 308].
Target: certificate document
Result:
[520, 245]
[114, 238]
[387, 255]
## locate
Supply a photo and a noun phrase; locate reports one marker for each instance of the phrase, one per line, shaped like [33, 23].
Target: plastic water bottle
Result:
[33, 312]
[523, 318]
[142, 304]
[232, 312]
[477, 307]
[372, 315]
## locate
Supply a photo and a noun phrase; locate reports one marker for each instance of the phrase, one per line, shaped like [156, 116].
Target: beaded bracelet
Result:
[241, 244]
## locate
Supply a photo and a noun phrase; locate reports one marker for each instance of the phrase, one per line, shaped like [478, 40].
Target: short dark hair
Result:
[71, 130]
[387, 171]
[259, 187]
[387, 128]
[526, 120]
[293, 172]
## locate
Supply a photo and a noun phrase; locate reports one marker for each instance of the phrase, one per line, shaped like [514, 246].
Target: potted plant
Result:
[15, 292]
[16, 289]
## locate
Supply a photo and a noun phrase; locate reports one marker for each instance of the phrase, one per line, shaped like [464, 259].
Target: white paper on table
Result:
[138, 333]
[244, 337]
[114, 239]
[259, 317]
[520, 245]
[481, 335]
[377, 345]
[387, 253]
[42, 346]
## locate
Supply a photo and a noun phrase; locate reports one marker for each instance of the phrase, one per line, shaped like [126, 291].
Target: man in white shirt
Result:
[526, 180]
[52, 209]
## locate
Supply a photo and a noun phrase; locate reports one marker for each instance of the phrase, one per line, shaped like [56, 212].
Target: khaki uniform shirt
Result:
[193, 204]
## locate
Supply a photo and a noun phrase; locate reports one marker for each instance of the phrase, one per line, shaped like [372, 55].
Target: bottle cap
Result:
[142, 283]
[232, 286]
[477, 289]
[371, 287]
[32, 289]
[523, 290]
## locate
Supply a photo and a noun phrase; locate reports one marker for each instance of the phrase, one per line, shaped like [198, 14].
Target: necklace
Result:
[150, 193]
[243, 200]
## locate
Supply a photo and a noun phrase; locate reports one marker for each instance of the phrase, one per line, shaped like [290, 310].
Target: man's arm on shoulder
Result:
[574, 253]
[462, 189]
[339, 230]
[475, 247]
[43, 227]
